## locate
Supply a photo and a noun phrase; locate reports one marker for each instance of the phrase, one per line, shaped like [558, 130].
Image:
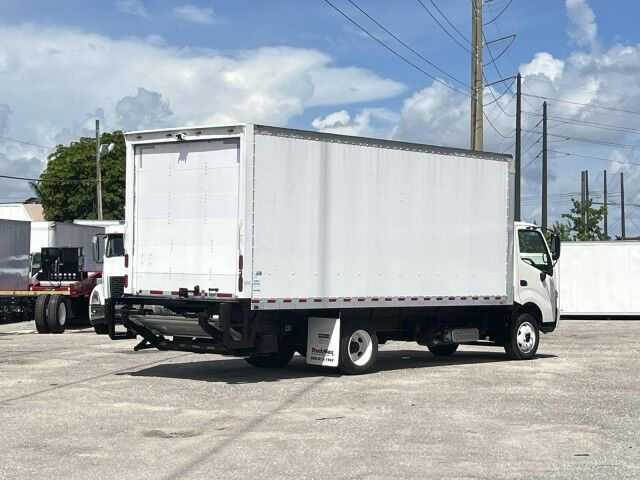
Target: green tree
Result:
[563, 230]
[577, 228]
[67, 186]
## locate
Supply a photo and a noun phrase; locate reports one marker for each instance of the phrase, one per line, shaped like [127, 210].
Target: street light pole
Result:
[98, 171]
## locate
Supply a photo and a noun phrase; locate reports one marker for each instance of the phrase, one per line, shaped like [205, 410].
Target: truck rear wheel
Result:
[40, 314]
[57, 314]
[272, 360]
[358, 349]
[523, 338]
[445, 350]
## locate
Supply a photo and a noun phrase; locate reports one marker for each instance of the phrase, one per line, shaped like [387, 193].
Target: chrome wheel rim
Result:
[526, 337]
[62, 313]
[360, 347]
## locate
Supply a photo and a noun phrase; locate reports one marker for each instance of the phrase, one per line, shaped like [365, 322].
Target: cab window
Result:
[115, 246]
[533, 250]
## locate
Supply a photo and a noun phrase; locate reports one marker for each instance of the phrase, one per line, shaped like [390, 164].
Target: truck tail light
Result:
[240, 262]
[240, 266]
[125, 281]
[126, 261]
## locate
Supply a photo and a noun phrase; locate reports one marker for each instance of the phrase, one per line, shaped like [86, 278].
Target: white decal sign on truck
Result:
[323, 341]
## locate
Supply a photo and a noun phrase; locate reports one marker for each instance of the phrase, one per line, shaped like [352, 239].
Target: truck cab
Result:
[108, 249]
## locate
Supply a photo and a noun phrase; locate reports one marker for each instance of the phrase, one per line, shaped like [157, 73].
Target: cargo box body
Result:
[14, 255]
[298, 220]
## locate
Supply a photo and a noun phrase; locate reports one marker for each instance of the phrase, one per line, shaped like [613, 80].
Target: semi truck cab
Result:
[108, 249]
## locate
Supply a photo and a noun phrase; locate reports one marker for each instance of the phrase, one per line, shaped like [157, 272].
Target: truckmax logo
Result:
[321, 351]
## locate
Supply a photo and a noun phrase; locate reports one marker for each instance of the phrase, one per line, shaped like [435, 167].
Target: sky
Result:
[138, 64]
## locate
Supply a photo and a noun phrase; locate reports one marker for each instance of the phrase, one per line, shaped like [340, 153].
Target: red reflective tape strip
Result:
[487, 298]
[438, 298]
[463, 298]
[317, 300]
[271, 300]
[361, 299]
[287, 300]
[346, 299]
[332, 299]
[475, 298]
[427, 298]
[255, 300]
[225, 295]
[302, 300]
[155, 292]
[401, 299]
[388, 299]
[174, 293]
[414, 299]
[498, 298]
[374, 299]
[452, 298]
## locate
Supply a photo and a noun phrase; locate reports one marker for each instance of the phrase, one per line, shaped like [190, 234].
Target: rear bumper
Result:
[195, 325]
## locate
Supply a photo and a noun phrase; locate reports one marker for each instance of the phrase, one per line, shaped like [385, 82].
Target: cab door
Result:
[534, 273]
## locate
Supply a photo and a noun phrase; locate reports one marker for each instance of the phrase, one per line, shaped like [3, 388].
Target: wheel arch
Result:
[532, 309]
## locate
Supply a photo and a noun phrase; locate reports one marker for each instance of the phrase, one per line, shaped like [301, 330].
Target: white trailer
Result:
[600, 279]
[61, 234]
[244, 239]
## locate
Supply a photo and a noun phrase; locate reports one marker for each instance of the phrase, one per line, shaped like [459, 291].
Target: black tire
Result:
[101, 329]
[272, 360]
[57, 314]
[358, 349]
[523, 338]
[445, 350]
[40, 314]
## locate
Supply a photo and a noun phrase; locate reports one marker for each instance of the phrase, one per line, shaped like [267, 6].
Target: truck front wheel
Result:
[358, 349]
[523, 337]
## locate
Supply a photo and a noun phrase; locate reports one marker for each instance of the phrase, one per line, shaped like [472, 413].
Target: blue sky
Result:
[143, 64]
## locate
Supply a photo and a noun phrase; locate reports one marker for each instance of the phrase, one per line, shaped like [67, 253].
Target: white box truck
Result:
[599, 279]
[260, 242]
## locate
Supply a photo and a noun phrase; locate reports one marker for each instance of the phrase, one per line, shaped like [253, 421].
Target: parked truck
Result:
[14, 269]
[260, 242]
[598, 279]
[108, 249]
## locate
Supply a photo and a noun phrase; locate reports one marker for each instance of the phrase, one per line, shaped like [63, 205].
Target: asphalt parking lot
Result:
[78, 405]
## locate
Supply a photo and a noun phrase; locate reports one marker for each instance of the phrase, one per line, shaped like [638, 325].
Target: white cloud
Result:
[5, 113]
[583, 29]
[132, 7]
[146, 109]
[368, 122]
[130, 83]
[195, 14]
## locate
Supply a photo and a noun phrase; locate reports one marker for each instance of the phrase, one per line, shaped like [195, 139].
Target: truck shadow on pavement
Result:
[237, 371]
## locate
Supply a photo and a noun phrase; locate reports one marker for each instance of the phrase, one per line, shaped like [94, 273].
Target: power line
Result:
[590, 140]
[605, 126]
[399, 55]
[26, 143]
[496, 17]
[590, 157]
[598, 90]
[28, 179]
[449, 22]
[407, 46]
[444, 28]
[620, 110]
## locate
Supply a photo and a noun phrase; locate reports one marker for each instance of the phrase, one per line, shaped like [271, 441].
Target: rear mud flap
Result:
[323, 341]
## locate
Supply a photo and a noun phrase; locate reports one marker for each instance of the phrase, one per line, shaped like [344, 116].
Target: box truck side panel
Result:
[72, 235]
[185, 223]
[339, 219]
[599, 278]
[14, 254]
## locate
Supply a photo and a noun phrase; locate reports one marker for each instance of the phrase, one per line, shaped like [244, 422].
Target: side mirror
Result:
[96, 248]
[555, 246]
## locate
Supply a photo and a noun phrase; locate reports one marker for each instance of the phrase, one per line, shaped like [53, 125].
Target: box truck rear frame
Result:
[267, 328]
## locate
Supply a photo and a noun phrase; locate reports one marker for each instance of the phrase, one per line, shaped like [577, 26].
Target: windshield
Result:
[115, 246]
[533, 249]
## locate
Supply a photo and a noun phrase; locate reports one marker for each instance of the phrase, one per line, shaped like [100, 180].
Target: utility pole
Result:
[586, 198]
[98, 171]
[622, 204]
[606, 227]
[583, 198]
[544, 165]
[518, 146]
[476, 76]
